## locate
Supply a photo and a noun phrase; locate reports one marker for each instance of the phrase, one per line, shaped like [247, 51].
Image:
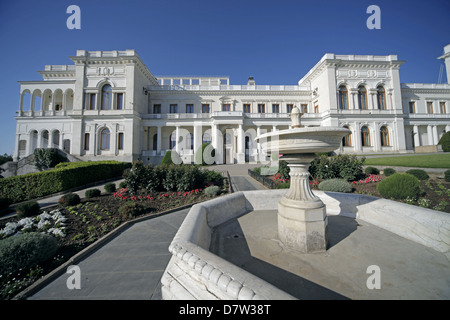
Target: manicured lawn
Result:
[420, 161]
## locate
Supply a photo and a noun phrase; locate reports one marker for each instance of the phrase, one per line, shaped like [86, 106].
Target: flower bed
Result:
[76, 227]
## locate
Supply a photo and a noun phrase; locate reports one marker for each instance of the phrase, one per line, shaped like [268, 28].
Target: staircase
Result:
[26, 165]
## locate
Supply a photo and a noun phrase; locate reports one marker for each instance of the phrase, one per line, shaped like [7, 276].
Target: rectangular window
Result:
[173, 108]
[119, 101]
[156, 108]
[91, 102]
[442, 107]
[226, 107]
[205, 108]
[86, 141]
[275, 108]
[429, 107]
[189, 108]
[412, 107]
[289, 108]
[304, 108]
[316, 108]
[247, 108]
[261, 108]
[120, 141]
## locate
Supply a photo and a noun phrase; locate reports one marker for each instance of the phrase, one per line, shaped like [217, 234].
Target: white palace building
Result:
[108, 105]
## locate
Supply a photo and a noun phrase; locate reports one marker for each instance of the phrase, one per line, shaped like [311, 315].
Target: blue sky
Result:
[277, 42]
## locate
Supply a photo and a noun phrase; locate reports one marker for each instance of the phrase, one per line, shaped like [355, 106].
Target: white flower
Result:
[56, 232]
[43, 223]
[44, 216]
[26, 223]
[9, 229]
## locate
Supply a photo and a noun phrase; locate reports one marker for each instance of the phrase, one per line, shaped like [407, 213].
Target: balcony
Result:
[228, 88]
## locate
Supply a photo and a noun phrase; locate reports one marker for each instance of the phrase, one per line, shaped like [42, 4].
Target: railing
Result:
[428, 115]
[228, 88]
[425, 86]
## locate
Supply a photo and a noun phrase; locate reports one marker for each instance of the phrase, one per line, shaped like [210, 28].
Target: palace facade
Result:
[108, 105]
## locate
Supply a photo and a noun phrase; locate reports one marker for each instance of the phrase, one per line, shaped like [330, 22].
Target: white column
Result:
[16, 149]
[357, 137]
[435, 136]
[430, 135]
[416, 136]
[158, 140]
[377, 139]
[39, 140]
[197, 136]
[50, 139]
[241, 145]
[177, 139]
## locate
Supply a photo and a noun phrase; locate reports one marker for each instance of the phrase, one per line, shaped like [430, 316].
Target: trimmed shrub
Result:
[418, 173]
[444, 141]
[212, 191]
[91, 193]
[110, 187]
[131, 209]
[389, 172]
[71, 175]
[400, 186]
[27, 209]
[335, 185]
[447, 175]
[372, 170]
[25, 251]
[69, 199]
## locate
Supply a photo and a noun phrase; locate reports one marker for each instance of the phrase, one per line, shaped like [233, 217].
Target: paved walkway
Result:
[131, 264]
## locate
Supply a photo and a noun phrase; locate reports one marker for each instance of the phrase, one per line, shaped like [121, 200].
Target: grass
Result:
[419, 161]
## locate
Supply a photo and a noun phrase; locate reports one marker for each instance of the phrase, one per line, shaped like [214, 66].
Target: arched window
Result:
[106, 97]
[206, 138]
[172, 141]
[365, 137]
[343, 97]
[362, 98]
[381, 98]
[347, 140]
[190, 141]
[104, 139]
[384, 133]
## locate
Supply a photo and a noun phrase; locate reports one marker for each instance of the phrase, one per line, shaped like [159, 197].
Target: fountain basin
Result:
[308, 140]
[199, 269]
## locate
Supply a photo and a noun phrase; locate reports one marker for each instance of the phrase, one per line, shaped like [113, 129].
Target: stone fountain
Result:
[302, 218]
[296, 244]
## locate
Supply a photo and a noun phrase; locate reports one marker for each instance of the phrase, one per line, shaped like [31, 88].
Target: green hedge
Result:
[64, 177]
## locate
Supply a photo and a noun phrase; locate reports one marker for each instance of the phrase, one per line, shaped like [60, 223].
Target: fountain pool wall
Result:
[195, 273]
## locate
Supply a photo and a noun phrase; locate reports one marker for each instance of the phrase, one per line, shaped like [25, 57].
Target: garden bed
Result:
[88, 221]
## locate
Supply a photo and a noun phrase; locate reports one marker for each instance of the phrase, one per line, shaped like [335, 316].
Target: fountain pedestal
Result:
[302, 219]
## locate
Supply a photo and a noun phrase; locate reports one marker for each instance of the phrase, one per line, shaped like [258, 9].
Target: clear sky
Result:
[277, 42]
